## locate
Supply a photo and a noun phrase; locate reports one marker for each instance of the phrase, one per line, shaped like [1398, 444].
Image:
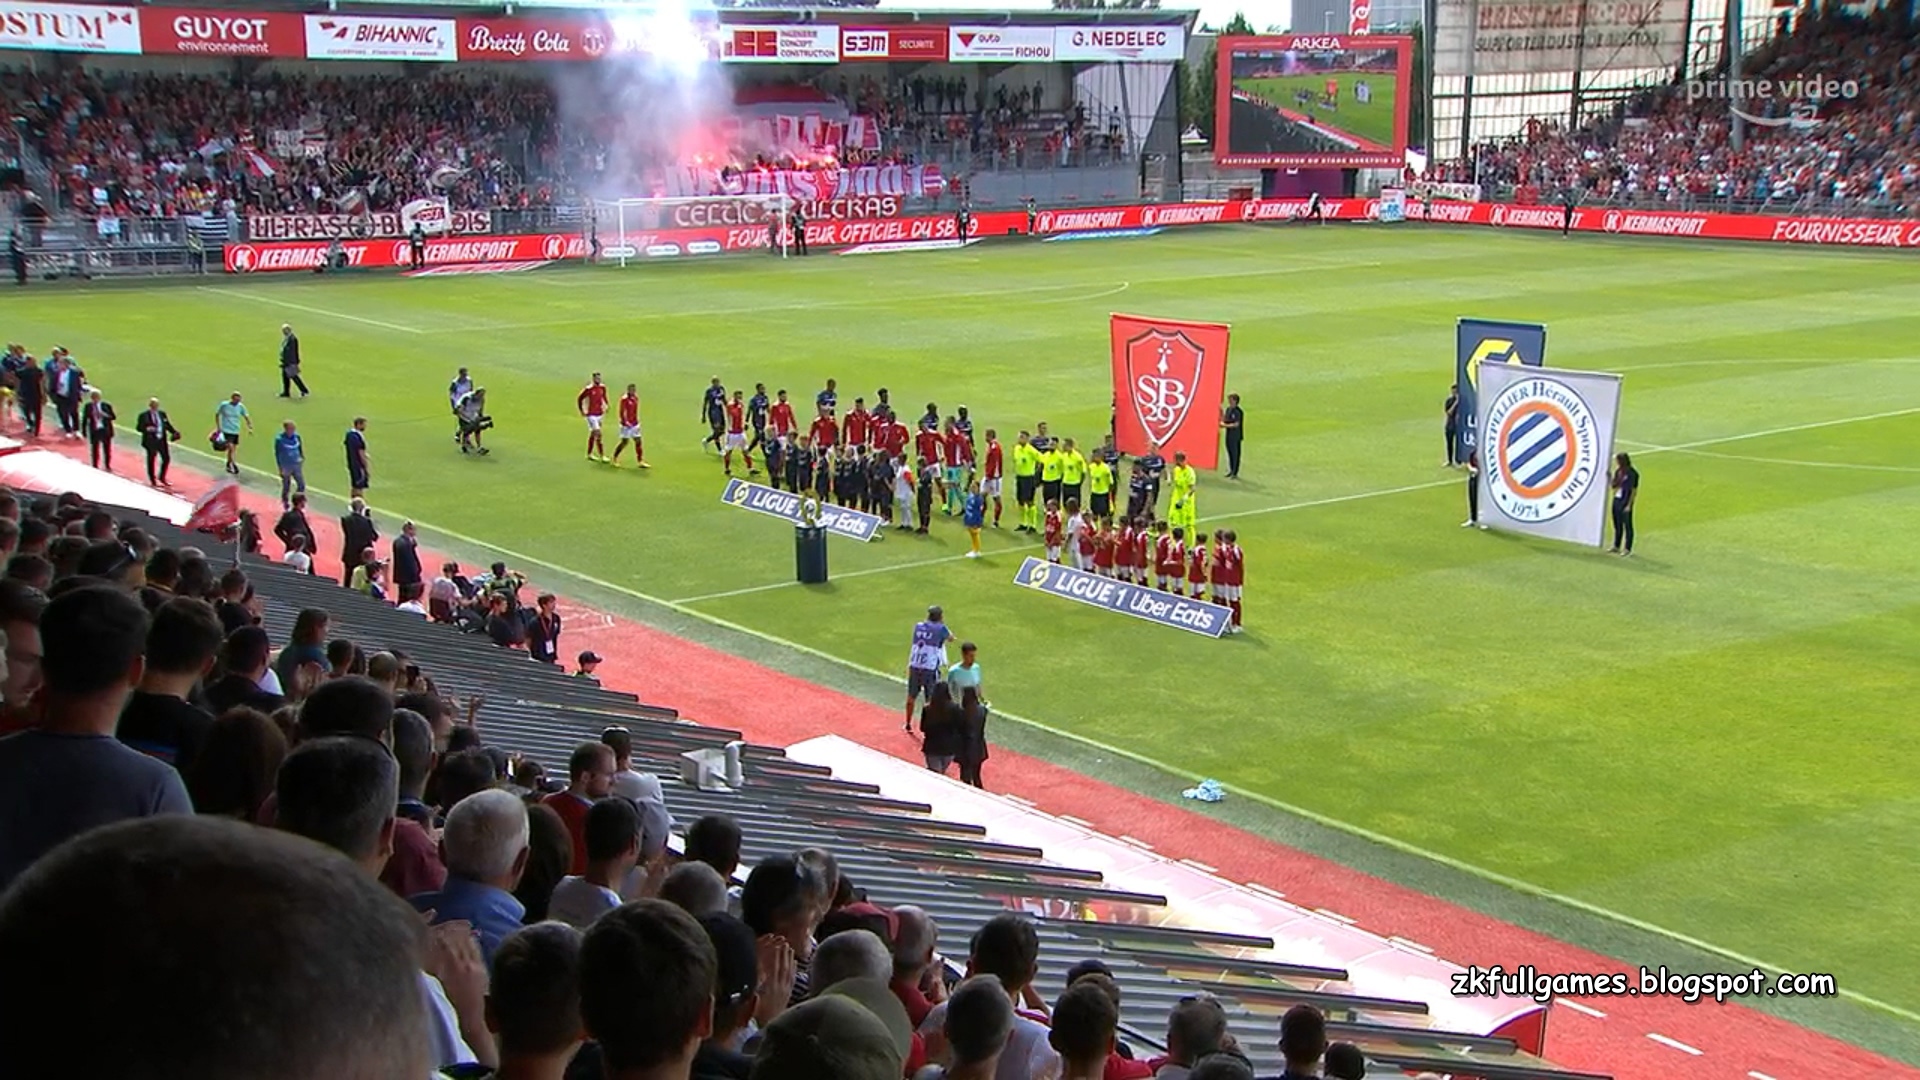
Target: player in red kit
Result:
[592, 404]
[1086, 540]
[780, 418]
[1197, 567]
[1169, 558]
[630, 427]
[894, 439]
[1142, 550]
[824, 432]
[1054, 534]
[957, 456]
[990, 471]
[1123, 550]
[858, 421]
[737, 435]
[1235, 568]
[1104, 543]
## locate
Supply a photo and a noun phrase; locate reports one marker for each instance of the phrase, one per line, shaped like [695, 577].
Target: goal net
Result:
[629, 229]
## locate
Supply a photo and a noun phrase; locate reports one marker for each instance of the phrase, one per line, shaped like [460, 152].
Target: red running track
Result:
[1631, 1038]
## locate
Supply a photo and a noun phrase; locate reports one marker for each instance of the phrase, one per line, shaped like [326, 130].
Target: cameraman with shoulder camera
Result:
[471, 409]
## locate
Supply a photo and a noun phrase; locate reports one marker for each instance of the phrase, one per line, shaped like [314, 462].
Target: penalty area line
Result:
[277, 302]
[895, 679]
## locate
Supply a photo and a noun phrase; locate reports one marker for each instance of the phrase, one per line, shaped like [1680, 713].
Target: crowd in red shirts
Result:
[1857, 149]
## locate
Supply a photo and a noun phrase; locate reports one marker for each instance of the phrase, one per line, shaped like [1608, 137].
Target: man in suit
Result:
[156, 433]
[65, 382]
[290, 363]
[358, 534]
[97, 420]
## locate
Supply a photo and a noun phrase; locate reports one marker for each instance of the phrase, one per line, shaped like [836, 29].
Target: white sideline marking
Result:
[1758, 1075]
[1675, 1043]
[1520, 885]
[1200, 866]
[1265, 890]
[1788, 430]
[1857, 466]
[277, 302]
[1414, 945]
[1579, 1008]
[1135, 841]
[1335, 916]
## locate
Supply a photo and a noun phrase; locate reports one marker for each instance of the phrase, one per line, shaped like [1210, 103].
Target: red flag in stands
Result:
[1169, 378]
[217, 509]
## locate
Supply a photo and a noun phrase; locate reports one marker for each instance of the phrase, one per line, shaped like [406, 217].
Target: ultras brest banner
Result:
[1169, 381]
[1478, 341]
[785, 505]
[1181, 612]
[1548, 451]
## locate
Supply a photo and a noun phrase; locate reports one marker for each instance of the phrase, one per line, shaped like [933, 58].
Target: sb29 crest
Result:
[1163, 373]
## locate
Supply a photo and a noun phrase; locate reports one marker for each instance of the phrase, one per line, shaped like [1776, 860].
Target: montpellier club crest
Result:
[1163, 369]
[1543, 449]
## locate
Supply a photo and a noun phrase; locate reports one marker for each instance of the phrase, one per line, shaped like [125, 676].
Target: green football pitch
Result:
[1371, 120]
[1714, 737]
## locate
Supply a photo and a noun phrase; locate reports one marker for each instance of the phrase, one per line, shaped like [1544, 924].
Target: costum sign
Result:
[785, 505]
[1181, 612]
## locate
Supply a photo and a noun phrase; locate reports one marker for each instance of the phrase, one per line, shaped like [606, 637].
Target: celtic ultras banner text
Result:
[1169, 381]
[1546, 450]
[1491, 341]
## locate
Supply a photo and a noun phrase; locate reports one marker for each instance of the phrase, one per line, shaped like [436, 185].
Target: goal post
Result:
[627, 228]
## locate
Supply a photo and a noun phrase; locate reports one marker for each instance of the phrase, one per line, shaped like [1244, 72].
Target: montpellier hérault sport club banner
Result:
[1548, 450]
[1478, 341]
[1181, 612]
[1169, 381]
[787, 506]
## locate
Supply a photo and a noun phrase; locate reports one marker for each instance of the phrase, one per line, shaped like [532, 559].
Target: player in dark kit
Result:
[849, 478]
[880, 486]
[1155, 467]
[823, 463]
[757, 409]
[713, 409]
[777, 454]
[799, 465]
[1452, 409]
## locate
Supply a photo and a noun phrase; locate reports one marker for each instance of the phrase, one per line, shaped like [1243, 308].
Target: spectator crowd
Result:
[1857, 149]
[301, 858]
[150, 144]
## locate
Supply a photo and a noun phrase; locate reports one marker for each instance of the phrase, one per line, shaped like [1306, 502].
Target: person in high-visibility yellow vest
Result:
[1100, 482]
[1026, 480]
[1073, 474]
[1052, 466]
[1184, 480]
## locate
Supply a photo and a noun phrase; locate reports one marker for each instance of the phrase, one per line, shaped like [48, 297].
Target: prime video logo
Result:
[1789, 102]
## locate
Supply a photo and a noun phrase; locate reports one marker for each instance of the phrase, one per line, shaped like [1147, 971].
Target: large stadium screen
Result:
[1319, 101]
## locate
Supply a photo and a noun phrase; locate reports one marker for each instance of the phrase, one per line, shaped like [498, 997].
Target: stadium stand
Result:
[889, 851]
[1852, 153]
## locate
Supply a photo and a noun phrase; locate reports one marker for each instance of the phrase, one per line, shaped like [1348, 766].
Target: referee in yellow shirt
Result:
[1026, 479]
[1052, 468]
[1073, 474]
[1100, 481]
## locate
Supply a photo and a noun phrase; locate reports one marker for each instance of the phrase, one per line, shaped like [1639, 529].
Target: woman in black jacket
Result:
[973, 736]
[940, 728]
